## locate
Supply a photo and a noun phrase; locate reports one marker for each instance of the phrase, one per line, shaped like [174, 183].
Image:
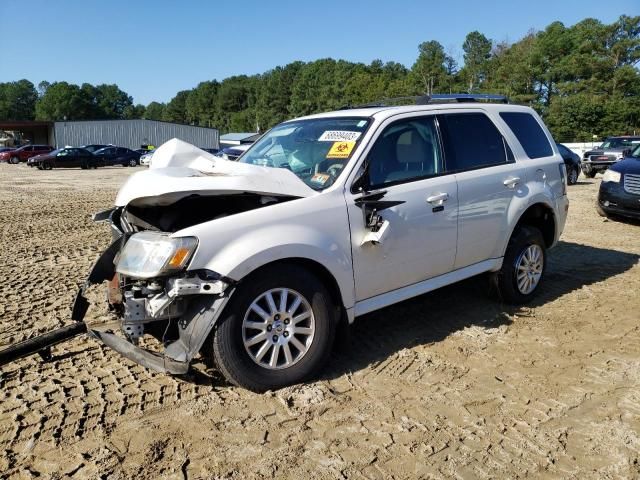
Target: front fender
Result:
[253, 250]
[314, 228]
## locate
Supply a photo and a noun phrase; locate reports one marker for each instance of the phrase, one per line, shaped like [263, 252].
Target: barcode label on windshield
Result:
[339, 136]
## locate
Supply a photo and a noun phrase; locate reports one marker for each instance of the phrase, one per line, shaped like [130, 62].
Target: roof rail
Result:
[466, 97]
[433, 98]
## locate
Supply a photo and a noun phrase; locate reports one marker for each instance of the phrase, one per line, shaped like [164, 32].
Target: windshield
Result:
[619, 142]
[636, 152]
[316, 150]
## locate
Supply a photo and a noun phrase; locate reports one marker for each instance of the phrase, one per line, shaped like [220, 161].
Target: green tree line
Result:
[582, 79]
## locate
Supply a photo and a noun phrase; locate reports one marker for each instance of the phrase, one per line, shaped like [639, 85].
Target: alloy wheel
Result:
[529, 267]
[278, 328]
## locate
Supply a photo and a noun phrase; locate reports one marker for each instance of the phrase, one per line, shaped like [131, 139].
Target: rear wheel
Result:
[523, 266]
[277, 330]
[572, 176]
[590, 174]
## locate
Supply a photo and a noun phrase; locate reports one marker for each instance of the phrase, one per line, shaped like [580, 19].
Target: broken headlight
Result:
[151, 254]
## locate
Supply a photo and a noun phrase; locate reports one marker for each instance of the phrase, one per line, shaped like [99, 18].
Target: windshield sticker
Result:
[362, 123]
[320, 178]
[339, 136]
[341, 149]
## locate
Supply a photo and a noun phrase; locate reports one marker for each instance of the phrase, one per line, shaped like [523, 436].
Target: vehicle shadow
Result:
[621, 219]
[581, 182]
[434, 316]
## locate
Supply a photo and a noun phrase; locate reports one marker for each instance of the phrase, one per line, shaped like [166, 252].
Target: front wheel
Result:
[133, 162]
[523, 267]
[14, 160]
[277, 329]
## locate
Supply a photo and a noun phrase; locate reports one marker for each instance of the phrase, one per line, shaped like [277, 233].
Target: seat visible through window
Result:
[414, 157]
[407, 149]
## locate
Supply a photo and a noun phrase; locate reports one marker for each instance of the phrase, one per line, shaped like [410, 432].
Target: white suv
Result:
[257, 263]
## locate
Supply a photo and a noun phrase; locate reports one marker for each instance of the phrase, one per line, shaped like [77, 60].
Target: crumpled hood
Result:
[179, 169]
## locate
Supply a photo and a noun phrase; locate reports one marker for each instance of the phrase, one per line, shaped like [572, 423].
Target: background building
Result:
[232, 139]
[124, 133]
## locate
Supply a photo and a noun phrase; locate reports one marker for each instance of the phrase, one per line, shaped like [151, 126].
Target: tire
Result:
[241, 365]
[591, 174]
[14, 160]
[40, 166]
[46, 166]
[133, 162]
[572, 176]
[525, 243]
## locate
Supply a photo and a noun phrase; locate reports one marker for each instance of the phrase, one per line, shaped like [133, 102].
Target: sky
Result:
[153, 49]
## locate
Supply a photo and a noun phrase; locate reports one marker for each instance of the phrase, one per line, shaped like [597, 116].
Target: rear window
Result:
[529, 133]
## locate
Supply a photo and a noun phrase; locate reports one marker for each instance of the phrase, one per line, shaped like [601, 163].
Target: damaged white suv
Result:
[256, 263]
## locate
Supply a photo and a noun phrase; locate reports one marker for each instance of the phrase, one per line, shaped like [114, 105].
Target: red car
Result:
[23, 153]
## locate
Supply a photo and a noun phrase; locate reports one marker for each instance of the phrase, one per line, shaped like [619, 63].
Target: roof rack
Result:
[433, 98]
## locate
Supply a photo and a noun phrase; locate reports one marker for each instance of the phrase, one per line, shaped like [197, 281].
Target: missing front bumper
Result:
[194, 325]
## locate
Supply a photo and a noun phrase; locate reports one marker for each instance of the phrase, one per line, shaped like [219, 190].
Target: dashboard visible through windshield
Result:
[316, 150]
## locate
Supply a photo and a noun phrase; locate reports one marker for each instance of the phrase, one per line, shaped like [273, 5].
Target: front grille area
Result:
[632, 183]
[602, 158]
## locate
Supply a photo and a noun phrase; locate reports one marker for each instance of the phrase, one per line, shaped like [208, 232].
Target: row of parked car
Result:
[46, 157]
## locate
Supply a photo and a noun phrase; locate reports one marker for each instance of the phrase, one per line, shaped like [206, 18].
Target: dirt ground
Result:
[448, 385]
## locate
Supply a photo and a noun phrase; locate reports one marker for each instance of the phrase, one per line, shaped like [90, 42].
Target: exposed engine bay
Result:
[192, 210]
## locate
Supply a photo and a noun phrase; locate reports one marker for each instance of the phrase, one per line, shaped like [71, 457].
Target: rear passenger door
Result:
[488, 181]
[122, 156]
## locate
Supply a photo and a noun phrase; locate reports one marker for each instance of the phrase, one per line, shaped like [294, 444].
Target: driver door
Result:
[405, 164]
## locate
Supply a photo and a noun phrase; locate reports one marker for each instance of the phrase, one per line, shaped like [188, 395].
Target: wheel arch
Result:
[541, 216]
[314, 267]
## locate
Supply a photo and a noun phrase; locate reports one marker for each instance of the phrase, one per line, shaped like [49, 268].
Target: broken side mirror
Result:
[361, 183]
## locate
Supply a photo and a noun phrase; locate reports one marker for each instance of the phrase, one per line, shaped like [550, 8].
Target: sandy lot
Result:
[450, 384]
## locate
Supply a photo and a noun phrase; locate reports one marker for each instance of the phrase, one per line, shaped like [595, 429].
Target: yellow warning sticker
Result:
[341, 149]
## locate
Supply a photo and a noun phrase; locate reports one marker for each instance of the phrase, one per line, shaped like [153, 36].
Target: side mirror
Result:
[361, 182]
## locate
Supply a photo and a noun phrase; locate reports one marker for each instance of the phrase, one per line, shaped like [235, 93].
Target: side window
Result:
[406, 150]
[529, 133]
[471, 141]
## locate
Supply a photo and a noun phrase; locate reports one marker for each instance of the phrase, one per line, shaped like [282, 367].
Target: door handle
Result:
[511, 182]
[438, 198]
